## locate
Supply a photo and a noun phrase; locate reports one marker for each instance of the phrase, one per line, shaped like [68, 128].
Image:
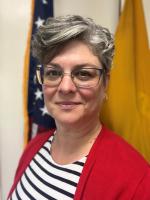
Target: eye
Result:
[84, 74]
[52, 74]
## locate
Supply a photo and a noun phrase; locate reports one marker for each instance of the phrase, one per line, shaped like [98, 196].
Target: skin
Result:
[75, 110]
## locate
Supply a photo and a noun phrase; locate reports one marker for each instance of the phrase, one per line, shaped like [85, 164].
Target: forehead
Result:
[75, 53]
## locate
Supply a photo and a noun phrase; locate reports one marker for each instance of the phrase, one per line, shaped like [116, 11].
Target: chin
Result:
[68, 119]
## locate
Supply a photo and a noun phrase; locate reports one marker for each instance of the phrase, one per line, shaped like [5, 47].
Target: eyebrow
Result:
[74, 67]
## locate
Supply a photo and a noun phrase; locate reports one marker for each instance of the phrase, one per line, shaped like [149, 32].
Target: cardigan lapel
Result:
[88, 166]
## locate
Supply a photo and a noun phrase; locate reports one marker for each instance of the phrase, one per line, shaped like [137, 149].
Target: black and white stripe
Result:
[44, 179]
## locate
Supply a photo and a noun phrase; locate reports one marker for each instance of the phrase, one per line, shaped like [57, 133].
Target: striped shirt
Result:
[44, 179]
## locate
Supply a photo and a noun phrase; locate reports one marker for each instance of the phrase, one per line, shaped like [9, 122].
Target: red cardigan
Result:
[113, 170]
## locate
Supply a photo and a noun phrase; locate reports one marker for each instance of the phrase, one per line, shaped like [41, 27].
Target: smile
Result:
[67, 105]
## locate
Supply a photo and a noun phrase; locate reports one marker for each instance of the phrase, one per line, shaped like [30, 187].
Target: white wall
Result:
[14, 24]
[14, 20]
[104, 12]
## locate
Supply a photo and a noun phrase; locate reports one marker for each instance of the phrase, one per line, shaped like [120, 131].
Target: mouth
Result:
[67, 105]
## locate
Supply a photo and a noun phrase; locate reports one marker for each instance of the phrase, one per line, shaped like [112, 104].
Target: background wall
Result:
[14, 24]
[14, 20]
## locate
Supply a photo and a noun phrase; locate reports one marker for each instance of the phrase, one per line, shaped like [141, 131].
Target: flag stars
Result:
[44, 111]
[39, 22]
[38, 94]
[44, 2]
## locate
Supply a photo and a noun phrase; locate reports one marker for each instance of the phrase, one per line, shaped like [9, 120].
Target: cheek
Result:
[93, 98]
[48, 93]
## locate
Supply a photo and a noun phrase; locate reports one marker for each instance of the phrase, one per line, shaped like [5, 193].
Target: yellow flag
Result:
[127, 110]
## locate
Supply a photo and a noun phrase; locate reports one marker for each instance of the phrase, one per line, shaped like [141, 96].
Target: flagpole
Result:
[119, 11]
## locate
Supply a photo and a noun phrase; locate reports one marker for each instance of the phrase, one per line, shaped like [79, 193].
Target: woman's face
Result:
[66, 103]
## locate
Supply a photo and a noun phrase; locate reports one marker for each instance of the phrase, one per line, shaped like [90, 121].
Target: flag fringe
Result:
[26, 77]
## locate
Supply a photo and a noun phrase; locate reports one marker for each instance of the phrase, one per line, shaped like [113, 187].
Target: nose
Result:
[67, 85]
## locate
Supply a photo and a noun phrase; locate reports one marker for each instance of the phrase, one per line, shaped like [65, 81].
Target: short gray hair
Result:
[51, 37]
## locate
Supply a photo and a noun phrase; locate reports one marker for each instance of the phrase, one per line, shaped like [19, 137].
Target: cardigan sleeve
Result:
[143, 188]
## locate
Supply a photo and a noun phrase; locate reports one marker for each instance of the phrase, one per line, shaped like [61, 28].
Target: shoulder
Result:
[120, 159]
[115, 166]
[121, 150]
[31, 149]
[34, 145]
[118, 166]
[39, 139]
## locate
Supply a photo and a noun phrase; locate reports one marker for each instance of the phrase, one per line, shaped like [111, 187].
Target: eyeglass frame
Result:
[39, 78]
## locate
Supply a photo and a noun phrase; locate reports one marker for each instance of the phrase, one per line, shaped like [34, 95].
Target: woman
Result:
[81, 159]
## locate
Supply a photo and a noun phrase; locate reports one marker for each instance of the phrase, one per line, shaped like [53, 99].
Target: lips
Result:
[67, 105]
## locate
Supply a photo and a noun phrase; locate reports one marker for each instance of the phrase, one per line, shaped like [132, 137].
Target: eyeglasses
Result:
[82, 77]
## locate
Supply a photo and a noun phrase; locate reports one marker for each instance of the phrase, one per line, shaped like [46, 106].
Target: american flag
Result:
[38, 118]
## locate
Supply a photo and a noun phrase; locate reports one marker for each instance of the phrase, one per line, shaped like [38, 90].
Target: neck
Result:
[71, 143]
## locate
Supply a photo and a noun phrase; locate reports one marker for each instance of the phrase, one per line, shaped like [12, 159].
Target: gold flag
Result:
[127, 110]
